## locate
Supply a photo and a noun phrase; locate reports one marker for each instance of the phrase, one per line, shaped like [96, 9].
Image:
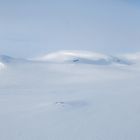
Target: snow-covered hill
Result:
[76, 57]
[84, 57]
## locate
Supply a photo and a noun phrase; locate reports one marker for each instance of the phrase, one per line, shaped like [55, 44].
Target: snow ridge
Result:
[85, 57]
[76, 57]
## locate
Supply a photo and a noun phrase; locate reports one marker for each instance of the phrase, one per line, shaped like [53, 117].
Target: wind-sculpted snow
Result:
[64, 101]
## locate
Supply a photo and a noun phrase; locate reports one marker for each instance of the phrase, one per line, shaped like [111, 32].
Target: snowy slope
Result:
[59, 101]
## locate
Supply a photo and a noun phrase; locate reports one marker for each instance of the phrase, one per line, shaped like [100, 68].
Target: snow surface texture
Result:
[64, 101]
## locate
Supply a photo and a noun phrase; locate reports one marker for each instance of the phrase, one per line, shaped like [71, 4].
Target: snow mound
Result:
[85, 57]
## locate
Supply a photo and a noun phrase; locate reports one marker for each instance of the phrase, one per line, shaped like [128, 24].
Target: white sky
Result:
[30, 28]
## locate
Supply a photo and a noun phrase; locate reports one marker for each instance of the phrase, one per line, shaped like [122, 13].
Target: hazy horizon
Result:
[30, 28]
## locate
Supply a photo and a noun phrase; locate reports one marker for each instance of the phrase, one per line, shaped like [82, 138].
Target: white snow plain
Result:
[69, 101]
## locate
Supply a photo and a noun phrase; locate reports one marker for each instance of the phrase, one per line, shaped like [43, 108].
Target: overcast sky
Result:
[33, 27]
